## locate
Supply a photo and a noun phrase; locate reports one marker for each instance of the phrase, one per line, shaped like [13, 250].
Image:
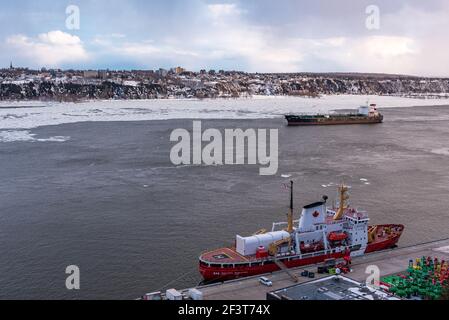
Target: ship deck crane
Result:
[343, 198]
[273, 247]
[261, 231]
[372, 233]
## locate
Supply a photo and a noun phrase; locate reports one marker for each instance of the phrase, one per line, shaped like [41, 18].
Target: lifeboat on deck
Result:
[337, 236]
[311, 247]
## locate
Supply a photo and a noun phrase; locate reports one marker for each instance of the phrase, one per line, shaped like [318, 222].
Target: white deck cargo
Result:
[248, 246]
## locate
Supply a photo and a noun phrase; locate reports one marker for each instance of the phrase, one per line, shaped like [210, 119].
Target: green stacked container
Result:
[421, 279]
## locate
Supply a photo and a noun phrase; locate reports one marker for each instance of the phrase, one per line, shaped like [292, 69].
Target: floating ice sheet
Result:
[26, 115]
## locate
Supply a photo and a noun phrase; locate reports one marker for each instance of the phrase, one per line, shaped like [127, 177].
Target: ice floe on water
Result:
[365, 181]
[441, 151]
[330, 184]
[26, 135]
[27, 115]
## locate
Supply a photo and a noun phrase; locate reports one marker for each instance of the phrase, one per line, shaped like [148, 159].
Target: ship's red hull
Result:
[223, 273]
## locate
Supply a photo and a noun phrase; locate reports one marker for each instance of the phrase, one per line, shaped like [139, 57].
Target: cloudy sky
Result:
[248, 35]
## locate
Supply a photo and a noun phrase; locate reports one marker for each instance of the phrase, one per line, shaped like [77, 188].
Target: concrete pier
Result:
[389, 262]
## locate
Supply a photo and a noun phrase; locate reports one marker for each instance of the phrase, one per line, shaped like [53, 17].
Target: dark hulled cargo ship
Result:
[365, 115]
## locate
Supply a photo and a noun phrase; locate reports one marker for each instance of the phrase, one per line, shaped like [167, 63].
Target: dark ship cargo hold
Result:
[365, 115]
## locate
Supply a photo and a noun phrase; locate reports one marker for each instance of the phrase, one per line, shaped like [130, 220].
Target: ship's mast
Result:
[290, 214]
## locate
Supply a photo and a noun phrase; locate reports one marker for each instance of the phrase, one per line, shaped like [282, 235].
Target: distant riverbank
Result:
[71, 86]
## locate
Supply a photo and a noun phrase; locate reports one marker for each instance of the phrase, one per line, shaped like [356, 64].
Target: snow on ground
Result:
[27, 115]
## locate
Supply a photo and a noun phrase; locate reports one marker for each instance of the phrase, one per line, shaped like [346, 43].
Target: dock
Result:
[389, 262]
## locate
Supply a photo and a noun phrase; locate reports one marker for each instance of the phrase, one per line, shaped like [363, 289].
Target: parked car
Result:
[265, 281]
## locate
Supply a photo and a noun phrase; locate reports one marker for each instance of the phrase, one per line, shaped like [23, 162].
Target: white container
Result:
[249, 245]
[173, 294]
[153, 296]
[195, 294]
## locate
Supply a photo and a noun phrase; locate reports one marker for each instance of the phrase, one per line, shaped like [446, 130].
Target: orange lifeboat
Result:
[311, 247]
[337, 236]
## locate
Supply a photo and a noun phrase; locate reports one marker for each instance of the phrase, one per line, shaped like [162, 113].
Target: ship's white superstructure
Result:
[318, 229]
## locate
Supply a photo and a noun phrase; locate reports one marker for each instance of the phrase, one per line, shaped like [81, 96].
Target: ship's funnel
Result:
[312, 214]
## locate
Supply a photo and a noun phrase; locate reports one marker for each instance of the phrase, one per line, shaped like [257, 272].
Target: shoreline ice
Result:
[29, 115]
[27, 136]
